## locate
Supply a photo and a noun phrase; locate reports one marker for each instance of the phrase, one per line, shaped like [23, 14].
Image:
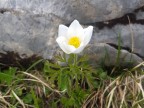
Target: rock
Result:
[140, 15]
[104, 54]
[30, 28]
[86, 11]
[28, 34]
[130, 36]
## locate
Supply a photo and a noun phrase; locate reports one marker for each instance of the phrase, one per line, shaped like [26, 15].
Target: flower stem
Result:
[75, 59]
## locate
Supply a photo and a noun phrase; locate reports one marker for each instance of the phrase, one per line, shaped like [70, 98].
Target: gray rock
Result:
[86, 11]
[30, 27]
[131, 37]
[28, 34]
[140, 15]
[102, 53]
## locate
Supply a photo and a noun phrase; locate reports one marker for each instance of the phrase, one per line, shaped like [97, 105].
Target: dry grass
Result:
[126, 91]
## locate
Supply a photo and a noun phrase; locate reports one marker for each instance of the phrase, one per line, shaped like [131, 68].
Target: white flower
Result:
[73, 39]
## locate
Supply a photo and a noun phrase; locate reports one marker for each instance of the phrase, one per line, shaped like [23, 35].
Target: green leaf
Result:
[103, 75]
[50, 67]
[61, 58]
[68, 102]
[8, 75]
[46, 67]
[35, 99]
[63, 81]
[83, 58]
[79, 95]
[119, 50]
[28, 98]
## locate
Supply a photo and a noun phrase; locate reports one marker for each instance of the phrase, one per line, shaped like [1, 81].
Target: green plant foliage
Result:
[8, 75]
[76, 79]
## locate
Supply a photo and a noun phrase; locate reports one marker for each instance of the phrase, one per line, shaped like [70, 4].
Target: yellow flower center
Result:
[74, 41]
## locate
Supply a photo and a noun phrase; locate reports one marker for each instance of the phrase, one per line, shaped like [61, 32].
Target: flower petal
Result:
[79, 49]
[71, 49]
[63, 30]
[64, 46]
[87, 34]
[75, 29]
